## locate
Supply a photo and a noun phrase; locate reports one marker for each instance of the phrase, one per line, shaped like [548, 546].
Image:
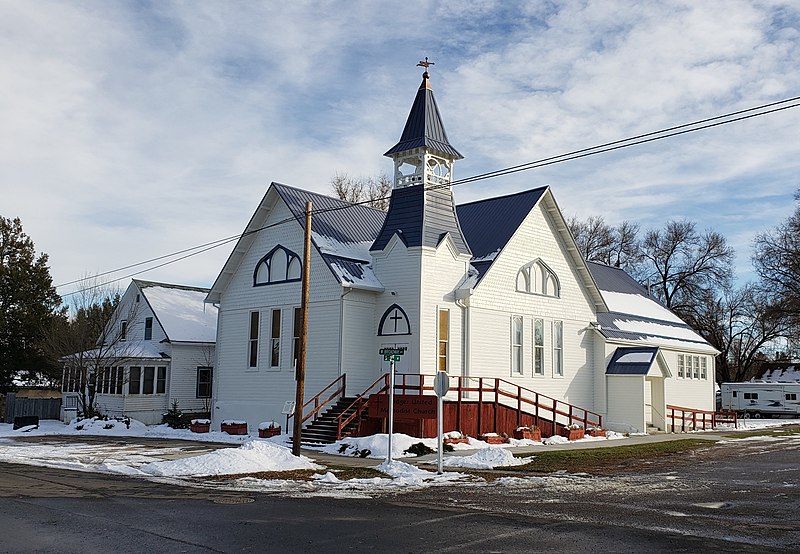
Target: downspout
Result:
[341, 327]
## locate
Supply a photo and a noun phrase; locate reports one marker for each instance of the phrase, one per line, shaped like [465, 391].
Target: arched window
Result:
[279, 266]
[537, 278]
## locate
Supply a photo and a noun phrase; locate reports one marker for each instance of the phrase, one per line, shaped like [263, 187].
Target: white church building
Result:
[491, 290]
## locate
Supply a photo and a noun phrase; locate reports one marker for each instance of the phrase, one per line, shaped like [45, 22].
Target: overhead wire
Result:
[668, 132]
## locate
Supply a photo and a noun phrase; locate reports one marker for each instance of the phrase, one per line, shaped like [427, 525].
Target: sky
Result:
[131, 130]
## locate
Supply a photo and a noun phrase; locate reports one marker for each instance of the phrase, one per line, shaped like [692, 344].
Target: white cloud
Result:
[130, 131]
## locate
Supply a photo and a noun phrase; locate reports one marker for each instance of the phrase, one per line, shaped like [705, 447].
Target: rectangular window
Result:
[107, 379]
[516, 344]
[558, 349]
[254, 321]
[148, 328]
[120, 379]
[751, 396]
[681, 370]
[204, 380]
[135, 381]
[791, 396]
[298, 324]
[275, 339]
[538, 347]
[149, 380]
[696, 366]
[703, 368]
[123, 330]
[112, 386]
[161, 380]
[444, 338]
[98, 381]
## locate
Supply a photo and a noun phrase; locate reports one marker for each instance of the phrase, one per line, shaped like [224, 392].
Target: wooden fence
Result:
[45, 408]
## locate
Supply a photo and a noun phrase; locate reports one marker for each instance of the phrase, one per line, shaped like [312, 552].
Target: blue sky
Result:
[134, 129]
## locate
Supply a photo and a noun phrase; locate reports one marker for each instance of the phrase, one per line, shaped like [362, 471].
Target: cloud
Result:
[134, 129]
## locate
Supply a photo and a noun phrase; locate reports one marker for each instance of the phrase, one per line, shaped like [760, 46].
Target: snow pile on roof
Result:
[353, 273]
[251, 457]
[182, 312]
[122, 350]
[639, 305]
[657, 329]
[789, 373]
[486, 458]
[333, 247]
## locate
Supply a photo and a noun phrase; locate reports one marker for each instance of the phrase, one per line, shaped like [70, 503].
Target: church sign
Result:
[406, 406]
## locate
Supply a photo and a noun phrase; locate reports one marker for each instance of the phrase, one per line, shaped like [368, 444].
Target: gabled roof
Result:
[181, 311]
[634, 316]
[342, 233]
[424, 127]
[489, 224]
[632, 360]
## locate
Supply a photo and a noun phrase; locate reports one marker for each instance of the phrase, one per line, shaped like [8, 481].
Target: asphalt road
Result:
[736, 497]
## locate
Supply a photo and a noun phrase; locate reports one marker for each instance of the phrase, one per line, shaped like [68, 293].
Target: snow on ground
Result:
[251, 457]
[486, 458]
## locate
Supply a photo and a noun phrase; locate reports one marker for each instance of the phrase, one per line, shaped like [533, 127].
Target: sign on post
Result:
[441, 384]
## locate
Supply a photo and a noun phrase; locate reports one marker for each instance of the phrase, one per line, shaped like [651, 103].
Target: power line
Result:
[551, 160]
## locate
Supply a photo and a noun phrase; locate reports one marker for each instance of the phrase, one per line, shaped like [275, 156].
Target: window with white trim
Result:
[148, 328]
[275, 339]
[681, 367]
[135, 380]
[558, 349]
[444, 339]
[205, 377]
[537, 278]
[516, 344]
[538, 347]
[255, 318]
[703, 368]
[692, 367]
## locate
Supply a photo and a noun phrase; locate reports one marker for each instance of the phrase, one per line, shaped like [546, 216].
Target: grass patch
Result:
[344, 473]
[604, 460]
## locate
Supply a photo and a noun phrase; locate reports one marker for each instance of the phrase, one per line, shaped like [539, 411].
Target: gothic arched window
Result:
[537, 278]
[279, 266]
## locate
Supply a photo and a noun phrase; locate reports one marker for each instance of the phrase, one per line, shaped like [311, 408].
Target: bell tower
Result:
[423, 156]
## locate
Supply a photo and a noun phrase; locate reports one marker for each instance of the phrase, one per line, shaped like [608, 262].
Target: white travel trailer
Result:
[761, 398]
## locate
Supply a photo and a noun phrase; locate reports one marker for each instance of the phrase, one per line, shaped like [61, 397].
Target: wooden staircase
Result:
[325, 428]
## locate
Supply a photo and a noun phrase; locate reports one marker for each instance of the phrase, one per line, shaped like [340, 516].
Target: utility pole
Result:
[301, 355]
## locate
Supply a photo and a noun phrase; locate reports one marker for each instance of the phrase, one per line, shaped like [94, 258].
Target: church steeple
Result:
[421, 209]
[423, 147]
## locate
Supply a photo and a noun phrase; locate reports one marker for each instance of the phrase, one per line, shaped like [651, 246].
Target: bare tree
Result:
[374, 191]
[684, 266]
[600, 242]
[92, 343]
[776, 259]
[741, 324]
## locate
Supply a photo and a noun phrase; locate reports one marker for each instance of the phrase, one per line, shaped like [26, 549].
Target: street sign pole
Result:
[441, 384]
[391, 410]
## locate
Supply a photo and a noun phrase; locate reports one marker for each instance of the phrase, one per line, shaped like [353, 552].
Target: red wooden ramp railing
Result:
[335, 390]
[487, 390]
[360, 404]
[692, 419]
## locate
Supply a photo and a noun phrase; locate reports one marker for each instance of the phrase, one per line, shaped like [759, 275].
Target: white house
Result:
[495, 288]
[159, 349]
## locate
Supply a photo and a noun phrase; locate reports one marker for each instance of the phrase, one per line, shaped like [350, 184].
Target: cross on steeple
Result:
[426, 64]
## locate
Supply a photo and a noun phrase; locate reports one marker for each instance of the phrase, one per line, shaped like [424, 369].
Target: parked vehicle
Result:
[761, 399]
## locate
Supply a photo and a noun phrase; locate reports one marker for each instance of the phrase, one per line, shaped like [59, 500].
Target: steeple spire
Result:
[424, 144]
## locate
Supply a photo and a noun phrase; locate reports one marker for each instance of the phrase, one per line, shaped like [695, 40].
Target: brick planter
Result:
[234, 428]
[269, 432]
[529, 434]
[572, 434]
[596, 432]
[493, 439]
[200, 427]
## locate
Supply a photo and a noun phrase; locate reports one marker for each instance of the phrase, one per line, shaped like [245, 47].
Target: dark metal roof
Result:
[610, 330]
[632, 360]
[614, 279]
[421, 217]
[334, 218]
[488, 224]
[424, 127]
